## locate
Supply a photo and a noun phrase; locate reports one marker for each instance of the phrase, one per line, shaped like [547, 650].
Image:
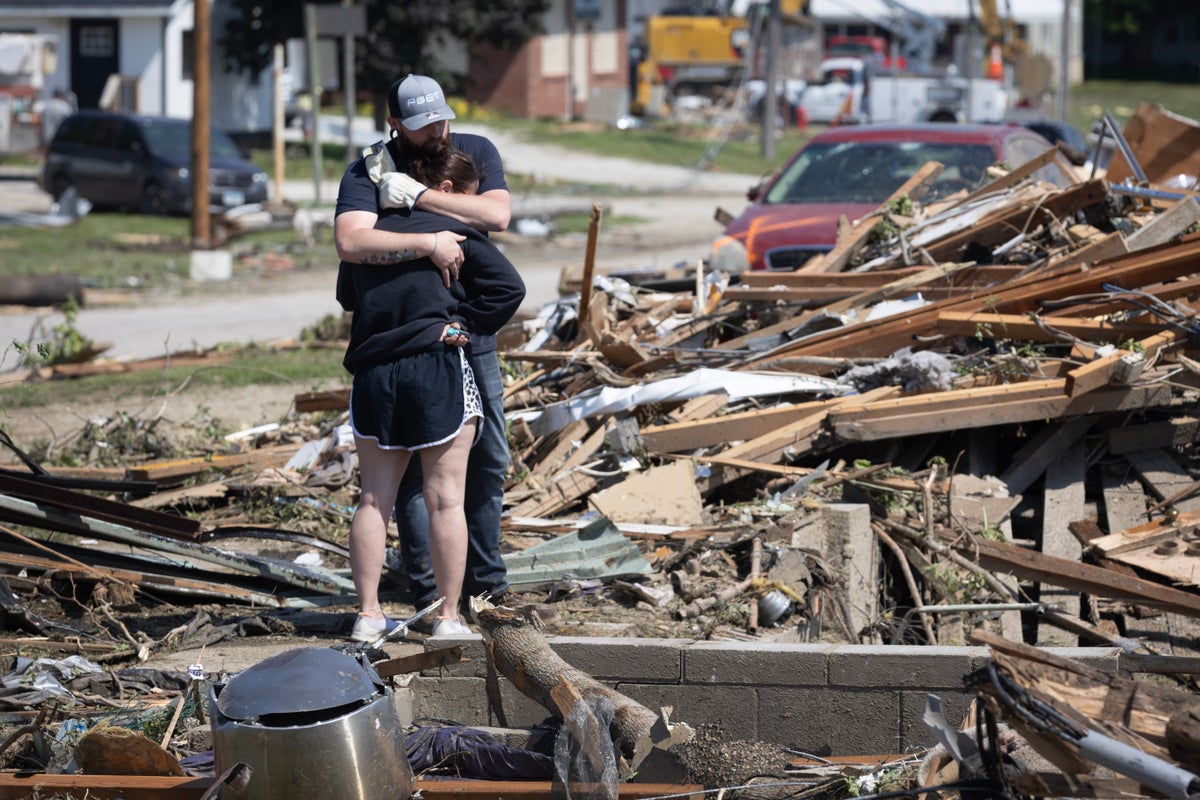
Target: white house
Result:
[148, 44]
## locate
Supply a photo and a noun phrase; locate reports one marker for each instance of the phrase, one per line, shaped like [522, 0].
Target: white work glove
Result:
[397, 190]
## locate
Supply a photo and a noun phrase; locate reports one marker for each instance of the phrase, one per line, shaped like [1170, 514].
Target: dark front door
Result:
[94, 56]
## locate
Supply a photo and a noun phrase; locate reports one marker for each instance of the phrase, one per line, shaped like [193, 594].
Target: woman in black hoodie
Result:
[413, 390]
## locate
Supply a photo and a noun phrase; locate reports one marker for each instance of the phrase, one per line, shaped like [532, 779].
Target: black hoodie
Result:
[401, 309]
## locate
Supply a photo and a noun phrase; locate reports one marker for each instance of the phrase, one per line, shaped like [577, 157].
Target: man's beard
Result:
[432, 147]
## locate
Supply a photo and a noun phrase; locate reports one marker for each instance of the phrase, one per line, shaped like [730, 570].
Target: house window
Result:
[188, 57]
[97, 41]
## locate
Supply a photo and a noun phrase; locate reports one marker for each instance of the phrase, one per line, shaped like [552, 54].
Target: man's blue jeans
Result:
[484, 503]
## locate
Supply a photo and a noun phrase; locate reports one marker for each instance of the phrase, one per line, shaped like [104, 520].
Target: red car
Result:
[849, 171]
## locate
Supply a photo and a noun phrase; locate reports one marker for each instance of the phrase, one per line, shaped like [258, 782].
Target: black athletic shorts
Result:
[416, 401]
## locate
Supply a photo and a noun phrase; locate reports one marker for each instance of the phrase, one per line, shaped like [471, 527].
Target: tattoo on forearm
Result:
[393, 257]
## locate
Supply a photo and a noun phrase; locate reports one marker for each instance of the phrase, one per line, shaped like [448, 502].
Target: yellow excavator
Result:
[687, 52]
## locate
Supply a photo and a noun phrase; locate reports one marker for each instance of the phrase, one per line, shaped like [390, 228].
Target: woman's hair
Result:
[446, 164]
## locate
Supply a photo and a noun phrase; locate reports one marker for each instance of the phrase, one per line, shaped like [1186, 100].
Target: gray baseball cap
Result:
[418, 101]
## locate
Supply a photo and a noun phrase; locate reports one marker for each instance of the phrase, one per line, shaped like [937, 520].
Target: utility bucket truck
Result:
[905, 85]
[25, 61]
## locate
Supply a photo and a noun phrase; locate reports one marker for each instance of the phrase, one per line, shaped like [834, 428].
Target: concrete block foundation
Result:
[823, 699]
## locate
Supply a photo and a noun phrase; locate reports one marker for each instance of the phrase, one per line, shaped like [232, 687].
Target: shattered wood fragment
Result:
[331, 400]
[166, 471]
[1079, 577]
[1013, 176]
[679, 437]
[558, 496]
[1123, 366]
[1025, 327]
[837, 258]
[1178, 431]
[881, 338]
[1163, 143]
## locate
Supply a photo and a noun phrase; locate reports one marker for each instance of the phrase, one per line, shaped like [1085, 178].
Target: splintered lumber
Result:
[837, 258]
[520, 653]
[1164, 144]
[985, 406]
[1013, 177]
[19, 786]
[162, 471]
[1144, 710]
[882, 337]
[999, 227]
[1123, 366]
[1030, 328]
[677, 437]
[1001, 557]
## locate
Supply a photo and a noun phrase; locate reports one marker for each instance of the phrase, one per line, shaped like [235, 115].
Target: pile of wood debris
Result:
[1003, 378]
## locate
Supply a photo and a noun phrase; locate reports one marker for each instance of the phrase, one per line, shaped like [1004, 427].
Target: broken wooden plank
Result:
[837, 258]
[1164, 477]
[1013, 176]
[678, 437]
[17, 786]
[882, 337]
[1175, 432]
[164, 471]
[1074, 575]
[1040, 451]
[1123, 366]
[1030, 328]
[1062, 504]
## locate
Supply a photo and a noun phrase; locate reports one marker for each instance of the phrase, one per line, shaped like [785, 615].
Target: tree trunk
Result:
[520, 653]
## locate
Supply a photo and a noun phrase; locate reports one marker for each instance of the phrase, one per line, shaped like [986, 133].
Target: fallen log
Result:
[520, 653]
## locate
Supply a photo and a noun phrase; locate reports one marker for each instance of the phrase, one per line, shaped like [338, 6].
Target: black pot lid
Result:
[305, 679]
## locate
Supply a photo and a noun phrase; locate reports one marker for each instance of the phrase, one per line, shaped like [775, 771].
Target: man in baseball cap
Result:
[419, 119]
[418, 101]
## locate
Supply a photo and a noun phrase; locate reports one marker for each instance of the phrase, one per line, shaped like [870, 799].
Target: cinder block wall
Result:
[821, 699]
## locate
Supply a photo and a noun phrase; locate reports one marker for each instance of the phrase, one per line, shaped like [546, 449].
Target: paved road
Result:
[676, 203]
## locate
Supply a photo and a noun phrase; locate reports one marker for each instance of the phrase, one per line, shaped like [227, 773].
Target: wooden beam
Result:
[678, 437]
[16, 786]
[1074, 575]
[837, 258]
[1013, 177]
[882, 337]
[1029, 328]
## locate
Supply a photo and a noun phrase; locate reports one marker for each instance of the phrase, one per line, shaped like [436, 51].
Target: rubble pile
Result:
[973, 415]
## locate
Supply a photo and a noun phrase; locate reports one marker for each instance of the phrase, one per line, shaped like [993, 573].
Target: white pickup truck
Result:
[850, 92]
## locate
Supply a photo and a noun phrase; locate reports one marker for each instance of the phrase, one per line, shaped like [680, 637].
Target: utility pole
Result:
[314, 92]
[349, 86]
[1064, 67]
[277, 123]
[770, 105]
[201, 124]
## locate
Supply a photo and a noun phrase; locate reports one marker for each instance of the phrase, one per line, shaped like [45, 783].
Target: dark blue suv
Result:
[143, 163]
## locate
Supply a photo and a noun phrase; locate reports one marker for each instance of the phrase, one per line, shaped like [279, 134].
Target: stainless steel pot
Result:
[311, 721]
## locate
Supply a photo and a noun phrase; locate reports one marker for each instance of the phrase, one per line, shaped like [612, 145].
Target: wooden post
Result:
[201, 122]
[589, 263]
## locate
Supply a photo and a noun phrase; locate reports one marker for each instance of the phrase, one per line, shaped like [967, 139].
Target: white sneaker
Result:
[450, 627]
[368, 629]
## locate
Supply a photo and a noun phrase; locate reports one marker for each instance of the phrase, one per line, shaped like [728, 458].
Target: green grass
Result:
[1089, 101]
[312, 367]
[121, 251]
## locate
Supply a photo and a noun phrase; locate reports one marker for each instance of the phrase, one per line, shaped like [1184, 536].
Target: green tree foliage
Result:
[402, 37]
